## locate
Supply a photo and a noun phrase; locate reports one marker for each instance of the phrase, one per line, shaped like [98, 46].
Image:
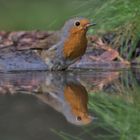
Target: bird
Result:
[67, 46]
[60, 90]
[64, 93]
[71, 45]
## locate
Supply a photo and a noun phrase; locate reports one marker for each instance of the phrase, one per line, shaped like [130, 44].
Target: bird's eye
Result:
[77, 23]
[79, 118]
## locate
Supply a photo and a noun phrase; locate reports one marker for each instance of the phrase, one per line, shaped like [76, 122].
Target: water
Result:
[70, 105]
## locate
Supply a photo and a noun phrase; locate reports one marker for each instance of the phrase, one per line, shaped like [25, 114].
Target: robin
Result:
[71, 46]
[68, 46]
[66, 95]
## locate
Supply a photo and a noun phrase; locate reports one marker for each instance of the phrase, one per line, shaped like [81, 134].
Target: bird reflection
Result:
[67, 96]
[66, 92]
[77, 97]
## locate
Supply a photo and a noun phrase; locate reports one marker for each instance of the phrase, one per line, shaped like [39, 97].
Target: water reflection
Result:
[65, 92]
[33, 104]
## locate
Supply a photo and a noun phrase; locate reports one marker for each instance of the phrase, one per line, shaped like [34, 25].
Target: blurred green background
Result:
[51, 14]
[38, 14]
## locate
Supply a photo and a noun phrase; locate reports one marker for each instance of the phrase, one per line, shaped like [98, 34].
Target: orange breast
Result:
[77, 97]
[75, 46]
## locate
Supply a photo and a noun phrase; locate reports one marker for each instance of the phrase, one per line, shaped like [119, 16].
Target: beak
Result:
[90, 24]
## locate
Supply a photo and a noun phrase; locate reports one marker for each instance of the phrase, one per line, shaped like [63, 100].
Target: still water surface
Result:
[70, 105]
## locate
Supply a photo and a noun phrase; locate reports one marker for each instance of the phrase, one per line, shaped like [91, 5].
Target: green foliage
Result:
[121, 17]
[120, 115]
[117, 117]
[117, 113]
[110, 14]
